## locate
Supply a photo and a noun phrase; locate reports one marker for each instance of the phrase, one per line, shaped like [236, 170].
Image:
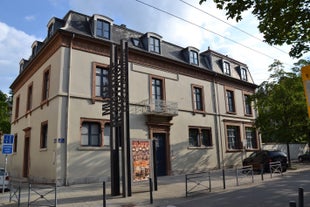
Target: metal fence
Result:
[197, 182]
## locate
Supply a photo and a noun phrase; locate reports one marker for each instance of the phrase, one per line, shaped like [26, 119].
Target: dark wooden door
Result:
[161, 153]
[26, 157]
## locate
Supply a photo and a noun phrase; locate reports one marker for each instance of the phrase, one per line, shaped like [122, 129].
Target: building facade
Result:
[194, 104]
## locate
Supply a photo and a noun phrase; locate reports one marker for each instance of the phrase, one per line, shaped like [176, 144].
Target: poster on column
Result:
[141, 159]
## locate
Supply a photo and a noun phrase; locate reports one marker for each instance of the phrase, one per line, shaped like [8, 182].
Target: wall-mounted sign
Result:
[141, 160]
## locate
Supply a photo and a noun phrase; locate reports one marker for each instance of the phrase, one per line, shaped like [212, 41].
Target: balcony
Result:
[159, 107]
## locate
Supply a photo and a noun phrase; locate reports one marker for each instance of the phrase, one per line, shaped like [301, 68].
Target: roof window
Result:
[102, 26]
[152, 42]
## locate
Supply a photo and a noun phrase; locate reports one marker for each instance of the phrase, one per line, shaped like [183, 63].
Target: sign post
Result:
[7, 149]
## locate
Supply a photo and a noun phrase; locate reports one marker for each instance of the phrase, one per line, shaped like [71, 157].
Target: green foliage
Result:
[281, 106]
[5, 125]
[280, 21]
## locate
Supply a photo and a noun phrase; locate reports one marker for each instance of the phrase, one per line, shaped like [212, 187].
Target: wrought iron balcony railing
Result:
[160, 107]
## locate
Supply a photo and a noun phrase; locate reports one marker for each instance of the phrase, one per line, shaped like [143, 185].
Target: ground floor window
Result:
[251, 139]
[95, 133]
[43, 138]
[200, 137]
[91, 135]
[233, 137]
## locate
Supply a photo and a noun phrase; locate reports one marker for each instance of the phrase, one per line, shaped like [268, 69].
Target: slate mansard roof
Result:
[81, 24]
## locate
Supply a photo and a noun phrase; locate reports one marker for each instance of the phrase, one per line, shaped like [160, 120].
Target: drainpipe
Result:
[68, 114]
[218, 131]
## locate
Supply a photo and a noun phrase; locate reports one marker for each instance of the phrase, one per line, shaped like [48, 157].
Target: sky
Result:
[181, 22]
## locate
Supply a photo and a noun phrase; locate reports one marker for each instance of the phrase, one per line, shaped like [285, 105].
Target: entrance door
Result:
[26, 157]
[161, 153]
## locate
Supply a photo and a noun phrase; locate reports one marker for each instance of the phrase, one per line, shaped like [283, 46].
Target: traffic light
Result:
[305, 74]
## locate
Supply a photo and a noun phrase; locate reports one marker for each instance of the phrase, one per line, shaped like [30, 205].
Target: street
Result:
[274, 193]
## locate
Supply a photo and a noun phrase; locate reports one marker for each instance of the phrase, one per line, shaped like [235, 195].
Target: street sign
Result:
[7, 149]
[8, 139]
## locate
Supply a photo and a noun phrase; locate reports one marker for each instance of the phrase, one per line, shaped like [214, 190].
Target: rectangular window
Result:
[199, 137]
[244, 74]
[17, 107]
[226, 67]
[91, 134]
[193, 57]
[250, 135]
[15, 143]
[103, 29]
[29, 98]
[44, 133]
[46, 85]
[247, 105]
[102, 82]
[233, 137]
[197, 94]
[230, 101]
[157, 93]
[154, 45]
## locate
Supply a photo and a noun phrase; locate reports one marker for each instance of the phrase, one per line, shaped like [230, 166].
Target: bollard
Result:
[300, 197]
[292, 204]
[104, 194]
[262, 171]
[224, 184]
[151, 190]
[18, 202]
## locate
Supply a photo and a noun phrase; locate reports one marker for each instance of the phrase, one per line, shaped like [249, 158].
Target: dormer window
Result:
[34, 48]
[154, 45]
[102, 26]
[53, 25]
[21, 65]
[226, 68]
[50, 31]
[193, 57]
[151, 42]
[103, 29]
[243, 74]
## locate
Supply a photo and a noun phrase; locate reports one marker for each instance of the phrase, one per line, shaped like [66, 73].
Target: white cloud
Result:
[30, 18]
[14, 45]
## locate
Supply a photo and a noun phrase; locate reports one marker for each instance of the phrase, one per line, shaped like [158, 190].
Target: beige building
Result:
[194, 104]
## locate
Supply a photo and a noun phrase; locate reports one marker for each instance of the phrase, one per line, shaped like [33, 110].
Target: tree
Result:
[281, 105]
[5, 125]
[280, 21]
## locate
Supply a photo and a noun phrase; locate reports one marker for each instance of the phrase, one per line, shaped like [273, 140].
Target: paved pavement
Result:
[171, 191]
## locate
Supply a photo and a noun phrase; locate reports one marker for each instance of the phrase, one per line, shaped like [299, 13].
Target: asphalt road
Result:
[274, 193]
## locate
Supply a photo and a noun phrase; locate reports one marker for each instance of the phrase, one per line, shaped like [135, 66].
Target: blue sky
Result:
[23, 22]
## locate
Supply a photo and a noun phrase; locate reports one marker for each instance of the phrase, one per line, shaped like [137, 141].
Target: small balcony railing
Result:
[160, 107]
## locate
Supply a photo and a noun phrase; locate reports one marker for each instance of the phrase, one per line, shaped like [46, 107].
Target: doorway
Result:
[26, 157]
[161, 153]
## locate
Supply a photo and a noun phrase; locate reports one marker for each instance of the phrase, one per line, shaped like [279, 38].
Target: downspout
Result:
[218, 131]
[68, 114]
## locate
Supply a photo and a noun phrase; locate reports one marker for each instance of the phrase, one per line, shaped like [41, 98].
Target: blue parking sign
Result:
[8, 139]
[7, 149]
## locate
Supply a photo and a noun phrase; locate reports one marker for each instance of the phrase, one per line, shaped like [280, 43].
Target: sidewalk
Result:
[171, 189]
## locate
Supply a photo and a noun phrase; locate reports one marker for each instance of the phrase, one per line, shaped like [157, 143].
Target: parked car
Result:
[304, 157]
[259, 159]
[4, 180]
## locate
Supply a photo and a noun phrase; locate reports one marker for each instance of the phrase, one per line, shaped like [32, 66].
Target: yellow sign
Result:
[305, 74]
